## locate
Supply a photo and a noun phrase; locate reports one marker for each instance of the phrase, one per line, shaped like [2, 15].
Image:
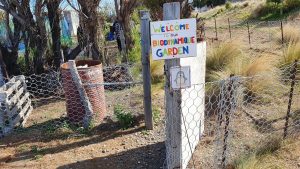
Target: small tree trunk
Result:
[54, 20]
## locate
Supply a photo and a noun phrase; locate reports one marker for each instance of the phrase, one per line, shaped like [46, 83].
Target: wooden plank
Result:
[26, 116]
[145, 38]
[21, 115]
[16, 97]
[18, 106]
[83, 96]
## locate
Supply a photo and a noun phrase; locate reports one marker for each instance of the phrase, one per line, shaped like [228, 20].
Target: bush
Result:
[291, 4]
[228, 5]
[125, 119]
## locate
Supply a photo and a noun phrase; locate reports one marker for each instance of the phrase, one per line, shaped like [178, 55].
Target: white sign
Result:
[173, 39]
[180, 77]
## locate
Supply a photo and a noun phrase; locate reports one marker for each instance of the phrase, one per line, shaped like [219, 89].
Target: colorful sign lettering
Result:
[173, 39]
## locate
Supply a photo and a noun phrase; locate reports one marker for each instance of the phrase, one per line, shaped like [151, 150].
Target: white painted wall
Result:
[193, 104]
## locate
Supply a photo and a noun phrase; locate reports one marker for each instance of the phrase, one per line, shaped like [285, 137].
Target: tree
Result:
[88, 29]
[156, 8]
[32, 24]
[124, 10]
[54, 20]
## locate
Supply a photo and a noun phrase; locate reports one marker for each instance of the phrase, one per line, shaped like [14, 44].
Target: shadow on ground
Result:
[38, 133]
[148, 157]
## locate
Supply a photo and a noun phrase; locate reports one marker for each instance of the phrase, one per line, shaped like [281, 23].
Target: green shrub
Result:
[125, 119]
[228, 5]
[156, 115]
[291, 4]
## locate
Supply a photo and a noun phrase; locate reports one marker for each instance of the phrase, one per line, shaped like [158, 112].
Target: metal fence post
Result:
[293, 79]
[249, 36]
[282, 37]
[216, 29]
[228, 105]
[229, 28]
[145, 42]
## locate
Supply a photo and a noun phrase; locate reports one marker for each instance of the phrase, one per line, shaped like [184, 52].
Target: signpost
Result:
[173, 39]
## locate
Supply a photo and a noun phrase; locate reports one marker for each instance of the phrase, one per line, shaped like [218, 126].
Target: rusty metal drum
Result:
[91, 75]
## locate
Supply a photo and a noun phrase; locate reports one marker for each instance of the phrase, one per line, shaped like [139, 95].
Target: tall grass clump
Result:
[261, 73]
[261, 156]
[291, 53]
[220, 57]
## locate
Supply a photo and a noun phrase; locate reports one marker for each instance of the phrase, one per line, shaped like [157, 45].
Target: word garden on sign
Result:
[173, 39]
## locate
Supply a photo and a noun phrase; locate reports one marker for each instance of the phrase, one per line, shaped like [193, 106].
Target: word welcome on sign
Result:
[173, 39]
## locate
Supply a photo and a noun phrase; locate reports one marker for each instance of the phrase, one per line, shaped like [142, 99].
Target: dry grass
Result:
[274, 154]
[291, 53]
[221, 56]
[290, 34]
[263, 67]
[157, 71]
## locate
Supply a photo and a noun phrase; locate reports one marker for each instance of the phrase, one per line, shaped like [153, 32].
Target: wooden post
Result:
[145, 41]
[216, 29]
[229, 28]
[173, 126]
[83, 96]
[288, 114]
[249, 36]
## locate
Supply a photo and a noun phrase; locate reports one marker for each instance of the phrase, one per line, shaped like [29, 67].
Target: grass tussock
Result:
[262, 157]
[221, 56]
[262, 70]
[291, 53]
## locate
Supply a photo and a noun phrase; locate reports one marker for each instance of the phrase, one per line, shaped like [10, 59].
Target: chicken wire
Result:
[55, 109]
[242, 116]
[256, 35]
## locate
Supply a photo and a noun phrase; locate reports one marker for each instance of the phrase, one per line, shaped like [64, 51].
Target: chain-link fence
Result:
[236, 119]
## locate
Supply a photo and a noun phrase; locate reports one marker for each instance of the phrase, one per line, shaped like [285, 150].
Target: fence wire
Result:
[221, 121]
[54, 101]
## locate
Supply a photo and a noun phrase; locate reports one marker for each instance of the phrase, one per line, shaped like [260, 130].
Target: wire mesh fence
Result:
[266, 36]
[236, 118]
[221, 122]
[54, 101]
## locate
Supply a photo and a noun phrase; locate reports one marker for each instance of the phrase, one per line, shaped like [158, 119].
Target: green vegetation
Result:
[125, 119]
[228, 5]
[156, 114]
[274, 9]
[157, 71]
